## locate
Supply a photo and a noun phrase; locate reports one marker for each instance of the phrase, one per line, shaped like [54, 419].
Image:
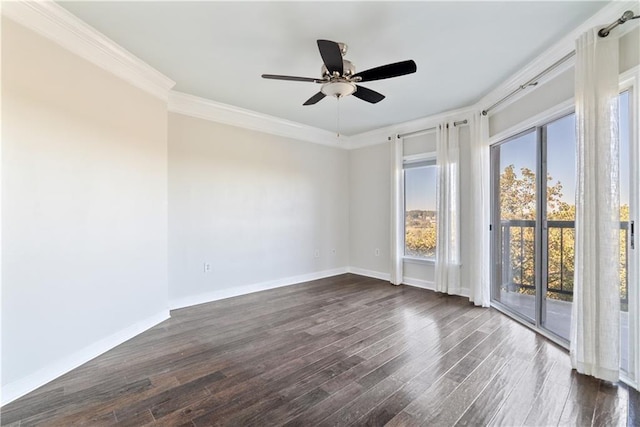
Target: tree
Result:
[518, 194]
[420, 233]
[518, 201]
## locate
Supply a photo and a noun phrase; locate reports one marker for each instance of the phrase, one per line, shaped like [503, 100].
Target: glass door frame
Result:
[541, 256]
[630, 81]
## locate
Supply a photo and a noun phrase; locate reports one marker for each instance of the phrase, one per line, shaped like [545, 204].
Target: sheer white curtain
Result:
[447, 274]
[596, 301]
[397, 210]
[479, 239]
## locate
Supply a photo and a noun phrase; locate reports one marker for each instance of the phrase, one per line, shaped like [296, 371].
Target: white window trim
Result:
[416, 158]
[630, 80]
[420, 261]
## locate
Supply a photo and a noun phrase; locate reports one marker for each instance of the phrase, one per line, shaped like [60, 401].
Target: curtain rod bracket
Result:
[604, 32]
[626, 16]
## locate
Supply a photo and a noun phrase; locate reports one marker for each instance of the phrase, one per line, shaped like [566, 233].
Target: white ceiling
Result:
[218, 50]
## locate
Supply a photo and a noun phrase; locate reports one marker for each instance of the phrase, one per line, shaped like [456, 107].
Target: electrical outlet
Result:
[207, 267]
[377, 252]
[316, 253]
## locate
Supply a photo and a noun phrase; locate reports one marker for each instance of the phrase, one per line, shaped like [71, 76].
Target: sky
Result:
[417, 195]
[522, 153]
[561, 156]
[625, 154]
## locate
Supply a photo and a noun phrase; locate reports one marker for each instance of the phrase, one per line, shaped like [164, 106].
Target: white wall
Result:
[630, 50]
[557, 89]
[84, 210]
[370, 209]
[419, 144]
[254, 206]
[543, 97]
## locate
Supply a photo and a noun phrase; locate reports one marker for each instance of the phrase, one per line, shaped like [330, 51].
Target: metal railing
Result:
[518, 257]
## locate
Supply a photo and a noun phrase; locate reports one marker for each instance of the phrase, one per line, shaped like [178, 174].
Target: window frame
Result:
[630, 81]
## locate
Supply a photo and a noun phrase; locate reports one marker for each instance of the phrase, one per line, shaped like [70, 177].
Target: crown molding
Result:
[382, 135]
[207, 109]
[603, 17]
[62, 27]
[562, 47]
[57, 24]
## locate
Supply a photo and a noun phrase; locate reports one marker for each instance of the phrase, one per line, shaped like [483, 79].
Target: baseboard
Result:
[16, 389]
[370, 273]
[254, 287]
[419, 283]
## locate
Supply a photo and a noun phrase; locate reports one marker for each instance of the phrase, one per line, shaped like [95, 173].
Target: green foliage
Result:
[518, 202]
[420, 233]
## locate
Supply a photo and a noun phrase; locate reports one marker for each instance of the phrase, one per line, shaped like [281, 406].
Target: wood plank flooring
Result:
[346, 350]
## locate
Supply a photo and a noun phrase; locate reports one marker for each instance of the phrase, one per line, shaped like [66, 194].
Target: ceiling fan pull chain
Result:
[338, 116]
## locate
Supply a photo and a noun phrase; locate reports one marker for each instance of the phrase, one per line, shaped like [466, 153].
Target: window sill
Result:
[422, 261]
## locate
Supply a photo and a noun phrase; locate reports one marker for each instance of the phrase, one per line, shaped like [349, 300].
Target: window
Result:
[420, 209]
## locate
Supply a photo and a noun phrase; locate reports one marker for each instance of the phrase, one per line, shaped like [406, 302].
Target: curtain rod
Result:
[604, 32]
[531, 82]
[626, 16]
[415, 132]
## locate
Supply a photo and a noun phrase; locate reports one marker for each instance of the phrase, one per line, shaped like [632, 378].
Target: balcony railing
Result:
[518, 258]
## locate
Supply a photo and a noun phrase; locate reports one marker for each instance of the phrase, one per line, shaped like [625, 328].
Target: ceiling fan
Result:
[339, 76]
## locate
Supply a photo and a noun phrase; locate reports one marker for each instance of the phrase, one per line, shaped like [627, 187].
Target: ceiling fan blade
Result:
[292, 78]
[388, 71]
[315, 98]
[331, 56]
[368, 95]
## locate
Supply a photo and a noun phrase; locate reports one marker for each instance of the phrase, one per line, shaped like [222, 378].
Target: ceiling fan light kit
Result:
[339, 76]
[339, 89]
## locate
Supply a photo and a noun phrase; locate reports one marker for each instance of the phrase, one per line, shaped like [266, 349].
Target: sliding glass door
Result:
[559, 215]
[627, 244]
[515, 195]
[533, 185]
[533, 226]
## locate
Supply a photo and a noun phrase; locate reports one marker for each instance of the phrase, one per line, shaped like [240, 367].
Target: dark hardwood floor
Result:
[338, 351]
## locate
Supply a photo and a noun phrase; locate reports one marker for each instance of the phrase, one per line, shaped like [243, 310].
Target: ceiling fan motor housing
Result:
[348, 69]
